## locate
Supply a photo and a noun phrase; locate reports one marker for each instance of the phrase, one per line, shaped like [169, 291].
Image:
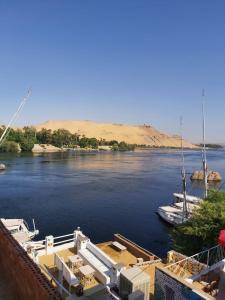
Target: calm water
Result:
[103, 193]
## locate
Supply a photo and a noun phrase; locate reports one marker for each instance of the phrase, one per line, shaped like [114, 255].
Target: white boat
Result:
[189, 198]
[171, 215]
[20, 230]
[174, 214]
[190, 206]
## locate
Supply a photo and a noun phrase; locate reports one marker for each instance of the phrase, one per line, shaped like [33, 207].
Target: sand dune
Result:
[131, 134]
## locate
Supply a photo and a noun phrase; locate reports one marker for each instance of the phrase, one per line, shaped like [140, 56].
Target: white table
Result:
[87, 274]
[75, 261]
[119, 246]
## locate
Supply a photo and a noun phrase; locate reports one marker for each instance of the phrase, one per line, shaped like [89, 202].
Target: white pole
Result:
[204, 159]
[183, 173]
[15, 116]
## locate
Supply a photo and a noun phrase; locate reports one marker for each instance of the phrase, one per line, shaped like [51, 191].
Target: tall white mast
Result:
[204, 159]
[14, 117]
[183, 174]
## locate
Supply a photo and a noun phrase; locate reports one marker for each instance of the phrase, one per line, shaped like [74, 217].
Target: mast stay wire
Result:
[14, 117]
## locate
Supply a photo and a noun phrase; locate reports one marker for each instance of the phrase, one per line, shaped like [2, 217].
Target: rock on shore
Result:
[2, 167]
[212, 176]
[40, 148]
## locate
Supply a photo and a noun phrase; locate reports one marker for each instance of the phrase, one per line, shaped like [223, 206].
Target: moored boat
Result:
[171, 215]
[20, 230]
[189, 198]
[174, 213]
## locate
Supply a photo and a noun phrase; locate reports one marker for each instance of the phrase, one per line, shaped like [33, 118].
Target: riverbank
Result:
[130, 134]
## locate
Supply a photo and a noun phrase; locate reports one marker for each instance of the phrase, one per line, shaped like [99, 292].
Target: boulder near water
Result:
[40, 148]
[2, 167]
[212, 176]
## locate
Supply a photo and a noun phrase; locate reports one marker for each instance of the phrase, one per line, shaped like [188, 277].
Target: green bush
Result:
[9, 146]
[27, 144]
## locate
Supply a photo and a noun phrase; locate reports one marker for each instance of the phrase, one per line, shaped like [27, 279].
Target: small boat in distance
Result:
[20, 230]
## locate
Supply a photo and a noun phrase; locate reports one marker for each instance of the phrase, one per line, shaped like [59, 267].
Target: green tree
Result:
[27, 144]
[44, 136]
[75, 139]
[2, 128]
[61, 137]
[29, 139]
[29, 132]
[102, 142]
[83, 142]
[202, 230]
[113, 142]
[15, 135]
[115, 147]
[93, 143]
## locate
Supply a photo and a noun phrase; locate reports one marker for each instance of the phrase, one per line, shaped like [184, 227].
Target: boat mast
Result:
[183, 174]
[14, 117]
[204, 159]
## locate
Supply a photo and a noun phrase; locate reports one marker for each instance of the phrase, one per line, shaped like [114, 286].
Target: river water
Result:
[103, 193]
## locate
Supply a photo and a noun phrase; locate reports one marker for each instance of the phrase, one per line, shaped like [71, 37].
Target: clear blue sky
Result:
[127, 61]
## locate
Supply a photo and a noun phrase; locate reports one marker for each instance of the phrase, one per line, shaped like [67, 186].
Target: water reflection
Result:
[199, 184]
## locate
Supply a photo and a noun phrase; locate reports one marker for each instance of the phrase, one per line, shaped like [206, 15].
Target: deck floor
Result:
[47, 261]
[124, 257]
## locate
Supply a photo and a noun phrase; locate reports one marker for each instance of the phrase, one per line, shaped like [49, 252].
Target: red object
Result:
[221, 238]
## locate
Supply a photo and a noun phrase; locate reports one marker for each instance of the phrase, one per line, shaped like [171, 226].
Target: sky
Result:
[125, 61]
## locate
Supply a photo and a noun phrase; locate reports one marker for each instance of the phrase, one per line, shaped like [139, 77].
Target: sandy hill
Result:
[131, 134]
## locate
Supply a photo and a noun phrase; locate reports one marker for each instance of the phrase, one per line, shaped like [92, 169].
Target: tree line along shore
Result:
[24, 140]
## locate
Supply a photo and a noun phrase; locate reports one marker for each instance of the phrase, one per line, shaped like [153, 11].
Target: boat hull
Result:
[171, 218]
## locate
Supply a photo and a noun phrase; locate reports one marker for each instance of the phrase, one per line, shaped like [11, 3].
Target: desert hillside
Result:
[131, 134]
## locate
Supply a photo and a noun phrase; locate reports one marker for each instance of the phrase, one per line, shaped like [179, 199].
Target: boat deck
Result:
[171, 209]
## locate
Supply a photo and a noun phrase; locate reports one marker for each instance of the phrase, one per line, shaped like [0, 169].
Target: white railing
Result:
[190, 266]
[64, 241]
[51, 244]
[62, 236]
